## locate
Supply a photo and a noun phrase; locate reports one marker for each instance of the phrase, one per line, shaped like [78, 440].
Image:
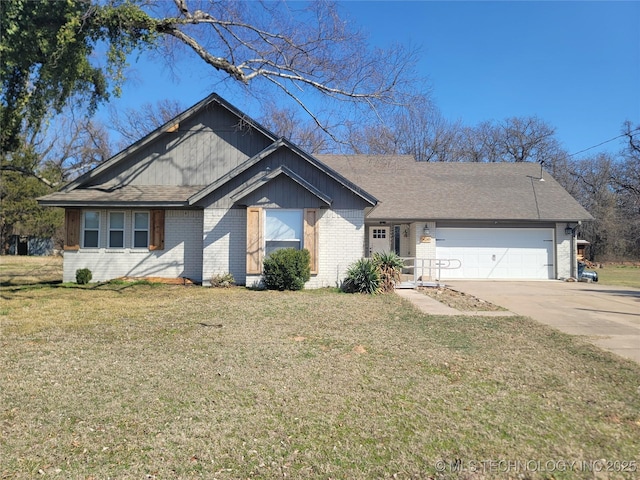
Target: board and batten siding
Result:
[200, 151]
[339, 233]
[180, 257]
[282, 191]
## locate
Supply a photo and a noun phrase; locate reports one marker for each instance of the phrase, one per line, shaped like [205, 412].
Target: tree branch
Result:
[27, 172]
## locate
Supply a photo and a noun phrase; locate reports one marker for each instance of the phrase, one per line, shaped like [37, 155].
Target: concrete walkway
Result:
[431, 306]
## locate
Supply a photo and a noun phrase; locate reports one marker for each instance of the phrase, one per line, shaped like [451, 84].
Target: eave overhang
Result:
[132, 196]
[113, 204]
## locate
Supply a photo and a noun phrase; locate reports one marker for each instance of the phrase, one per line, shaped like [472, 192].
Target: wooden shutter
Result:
[311, 236]
[72, 218]
[255, 240]
[156, 241]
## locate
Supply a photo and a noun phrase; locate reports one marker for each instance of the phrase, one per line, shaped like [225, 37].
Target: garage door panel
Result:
[497, 253]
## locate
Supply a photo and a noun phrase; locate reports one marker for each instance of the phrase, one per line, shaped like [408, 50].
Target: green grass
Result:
[622, 275]
[141, 381]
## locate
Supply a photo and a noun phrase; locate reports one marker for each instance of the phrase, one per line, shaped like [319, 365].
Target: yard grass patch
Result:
[24, 270]
[623, 275]
[135, 381]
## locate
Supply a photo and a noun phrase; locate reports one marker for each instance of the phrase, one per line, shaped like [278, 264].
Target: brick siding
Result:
[181, 256]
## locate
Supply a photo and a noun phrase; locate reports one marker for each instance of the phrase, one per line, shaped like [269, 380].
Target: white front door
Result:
[379, 240]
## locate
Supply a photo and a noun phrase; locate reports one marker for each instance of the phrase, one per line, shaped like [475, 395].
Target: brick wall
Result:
[564, 258]
[224, 243]
[340, 236]
[424, 250]
[341, 240]
[181, 256]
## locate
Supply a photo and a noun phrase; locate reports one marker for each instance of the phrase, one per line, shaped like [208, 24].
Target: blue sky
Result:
[575, 65]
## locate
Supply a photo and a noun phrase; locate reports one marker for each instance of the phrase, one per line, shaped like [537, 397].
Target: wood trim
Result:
[255, 240]
[72, 220]
[156, 230]
[311, 236]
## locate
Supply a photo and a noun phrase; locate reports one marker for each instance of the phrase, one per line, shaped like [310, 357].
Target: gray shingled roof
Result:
[410, 190]
[128, 195]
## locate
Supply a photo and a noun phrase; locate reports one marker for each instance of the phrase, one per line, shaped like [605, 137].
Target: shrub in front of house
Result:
[287, 269]
[83, 276]
[363, 276]
[389, 265]
[223, 280]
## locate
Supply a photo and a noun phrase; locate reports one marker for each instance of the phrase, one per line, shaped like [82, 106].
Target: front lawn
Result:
[622, 275]
[142, 381]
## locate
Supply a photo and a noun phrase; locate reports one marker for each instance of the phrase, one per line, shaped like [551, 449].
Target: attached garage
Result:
[497, 253]
[509, 221]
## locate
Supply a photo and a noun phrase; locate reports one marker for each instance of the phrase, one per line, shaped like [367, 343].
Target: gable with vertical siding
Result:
[201, 150]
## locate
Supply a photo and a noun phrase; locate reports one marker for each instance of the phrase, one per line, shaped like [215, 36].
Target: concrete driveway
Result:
[607, 316]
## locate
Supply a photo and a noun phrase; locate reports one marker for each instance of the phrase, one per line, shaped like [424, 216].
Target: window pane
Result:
[140, 239]
[91, 220]
[283, 224]
[91, 238]
[271, 246]
[141, 221]
[116, 220]
[116, 239]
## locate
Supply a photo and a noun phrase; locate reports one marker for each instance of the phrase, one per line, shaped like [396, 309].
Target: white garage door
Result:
[497, 253]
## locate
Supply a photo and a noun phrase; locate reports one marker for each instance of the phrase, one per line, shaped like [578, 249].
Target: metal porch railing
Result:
[418, 272]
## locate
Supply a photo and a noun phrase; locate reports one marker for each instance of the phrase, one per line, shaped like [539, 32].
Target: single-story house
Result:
[214, 192]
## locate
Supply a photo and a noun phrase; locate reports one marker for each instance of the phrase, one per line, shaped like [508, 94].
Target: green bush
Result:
[83, 276]
[287, 269]
[389, 266]
[374, 275]
[363, 276]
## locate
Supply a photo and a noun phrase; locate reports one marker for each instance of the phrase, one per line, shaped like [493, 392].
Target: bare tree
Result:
[607, 233]
[626, 182]
[134, 123]
[73, 146]
[526, 139]
[372, 139]
[515, 139]
[627, 176]
[482, 143]
[423, 132]
[300, 49]
[61, 150]
[287, 123]
[417, 129]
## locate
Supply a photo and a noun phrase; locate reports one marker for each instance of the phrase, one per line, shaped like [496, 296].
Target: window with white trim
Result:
[141, 229]
[90, 229]
[116, 229]
[283, 229]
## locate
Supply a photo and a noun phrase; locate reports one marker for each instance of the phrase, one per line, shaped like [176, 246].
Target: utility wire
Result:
[606, 141]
